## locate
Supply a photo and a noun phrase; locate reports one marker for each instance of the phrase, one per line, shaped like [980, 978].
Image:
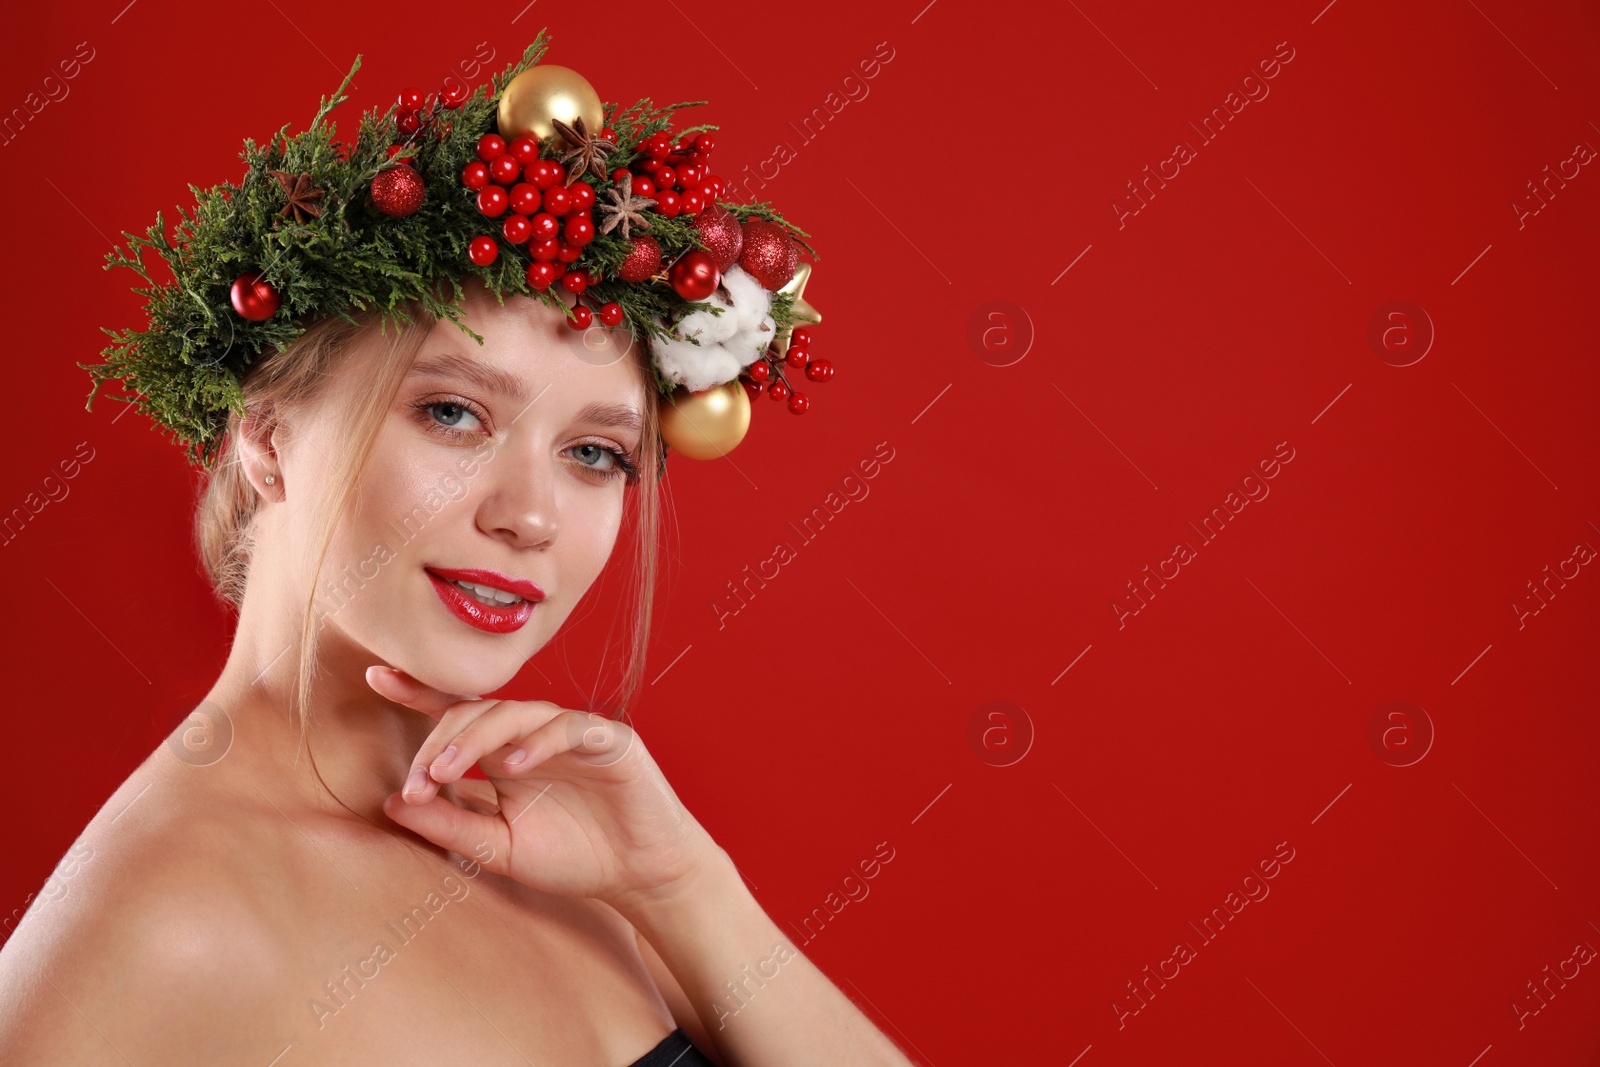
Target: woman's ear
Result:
[258, 454]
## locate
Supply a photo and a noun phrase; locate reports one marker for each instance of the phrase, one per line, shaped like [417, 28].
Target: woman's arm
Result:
[615, 831]
[683, 1013]
[763, 1003]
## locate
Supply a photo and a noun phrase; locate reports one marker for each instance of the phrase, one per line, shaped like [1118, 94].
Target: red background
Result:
[834, 711]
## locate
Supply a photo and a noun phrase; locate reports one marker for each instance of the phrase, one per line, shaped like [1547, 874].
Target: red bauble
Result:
[397, 192]
[770, 254]
[254, 298]
[720, 233]
[611, 315]
[798, 402]
[695, 276]
[642, 262]
[483, 251]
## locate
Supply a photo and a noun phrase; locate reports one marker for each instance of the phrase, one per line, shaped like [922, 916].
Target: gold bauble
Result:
[540, 94]
[707, 424]
[803, 311]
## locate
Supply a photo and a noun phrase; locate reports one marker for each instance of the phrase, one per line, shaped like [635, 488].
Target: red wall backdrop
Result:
[1356, 320]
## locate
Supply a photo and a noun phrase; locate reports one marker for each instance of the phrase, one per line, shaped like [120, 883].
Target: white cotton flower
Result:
[728, 342]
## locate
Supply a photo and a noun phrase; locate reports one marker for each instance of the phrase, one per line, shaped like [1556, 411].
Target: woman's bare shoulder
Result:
[147, 933]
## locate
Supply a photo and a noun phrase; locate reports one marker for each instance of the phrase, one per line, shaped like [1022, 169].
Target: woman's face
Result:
[498, 466]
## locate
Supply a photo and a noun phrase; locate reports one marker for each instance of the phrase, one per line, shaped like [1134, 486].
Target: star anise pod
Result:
[590, 152]
[625, 208]
[302, 197]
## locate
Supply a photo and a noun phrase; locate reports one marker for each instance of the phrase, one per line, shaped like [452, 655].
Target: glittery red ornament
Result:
[720, 233]
[769, 254]
[397, 192]
[642, 262]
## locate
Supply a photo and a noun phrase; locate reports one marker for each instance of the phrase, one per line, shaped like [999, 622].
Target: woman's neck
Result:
[361, 744]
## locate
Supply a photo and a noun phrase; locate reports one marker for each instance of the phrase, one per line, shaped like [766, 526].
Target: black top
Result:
[675, 1050]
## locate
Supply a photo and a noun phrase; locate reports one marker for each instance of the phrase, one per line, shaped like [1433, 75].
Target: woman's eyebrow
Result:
[482, 375]
[623, 416]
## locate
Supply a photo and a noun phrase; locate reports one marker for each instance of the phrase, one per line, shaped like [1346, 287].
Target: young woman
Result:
[303, 874]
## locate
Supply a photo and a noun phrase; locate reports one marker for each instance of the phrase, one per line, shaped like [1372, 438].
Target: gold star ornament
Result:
[803, 312]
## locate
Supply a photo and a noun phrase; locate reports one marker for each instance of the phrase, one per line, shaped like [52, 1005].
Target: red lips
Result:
[494, 618]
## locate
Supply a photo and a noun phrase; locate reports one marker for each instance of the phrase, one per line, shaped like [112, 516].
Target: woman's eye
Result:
[586, 452]
[453, 415]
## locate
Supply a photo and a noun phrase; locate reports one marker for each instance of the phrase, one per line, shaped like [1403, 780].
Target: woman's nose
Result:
[520, 504]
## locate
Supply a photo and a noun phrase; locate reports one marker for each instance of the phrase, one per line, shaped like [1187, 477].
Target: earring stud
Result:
[272, 479]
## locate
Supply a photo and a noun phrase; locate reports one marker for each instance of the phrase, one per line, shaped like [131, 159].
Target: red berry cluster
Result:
[552, 215]
[416, 111]
[554, 219]
[677, 176]
[759, 375]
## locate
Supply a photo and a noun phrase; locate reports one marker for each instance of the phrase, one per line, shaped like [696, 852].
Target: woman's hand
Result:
[574, 805]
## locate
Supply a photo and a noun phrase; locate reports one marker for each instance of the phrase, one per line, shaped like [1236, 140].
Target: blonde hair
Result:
[225, 521]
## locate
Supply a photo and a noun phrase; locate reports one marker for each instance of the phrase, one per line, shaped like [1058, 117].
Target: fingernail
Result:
[445, 757]
[516, 757]
[414, 784]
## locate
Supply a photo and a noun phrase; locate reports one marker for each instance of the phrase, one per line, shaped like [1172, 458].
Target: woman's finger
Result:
[453, 747]
[485, 838]
[401, 688]
[474, 794]
[597, 740]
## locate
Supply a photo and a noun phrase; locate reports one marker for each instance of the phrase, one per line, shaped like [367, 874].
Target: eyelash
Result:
[625, 467]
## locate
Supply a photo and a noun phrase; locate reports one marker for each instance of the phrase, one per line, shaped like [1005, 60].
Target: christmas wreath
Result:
[529, 183]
